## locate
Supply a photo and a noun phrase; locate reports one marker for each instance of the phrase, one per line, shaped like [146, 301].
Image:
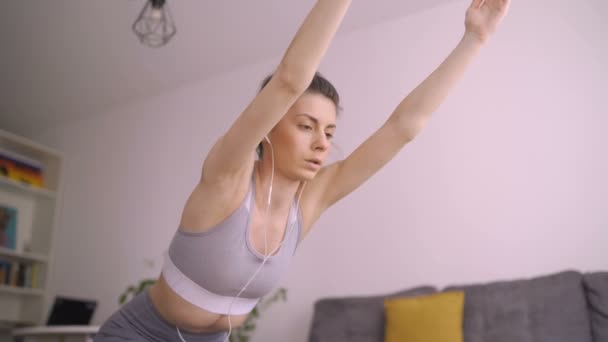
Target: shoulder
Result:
[212, 201]
[312, 203]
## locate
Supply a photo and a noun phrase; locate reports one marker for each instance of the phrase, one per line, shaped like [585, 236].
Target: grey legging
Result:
[138, 321]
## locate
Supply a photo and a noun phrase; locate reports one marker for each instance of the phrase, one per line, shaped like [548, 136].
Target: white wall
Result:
[508, 180]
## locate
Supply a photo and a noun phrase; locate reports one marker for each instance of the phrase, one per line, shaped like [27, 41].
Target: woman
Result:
[245, 218]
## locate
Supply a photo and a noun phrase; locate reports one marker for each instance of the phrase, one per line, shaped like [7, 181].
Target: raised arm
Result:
[234, 152]
[415, 110]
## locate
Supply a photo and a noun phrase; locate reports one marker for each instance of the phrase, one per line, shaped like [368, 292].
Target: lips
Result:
[314, 161]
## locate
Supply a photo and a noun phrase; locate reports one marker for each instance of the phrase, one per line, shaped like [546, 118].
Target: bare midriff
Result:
[186, 316]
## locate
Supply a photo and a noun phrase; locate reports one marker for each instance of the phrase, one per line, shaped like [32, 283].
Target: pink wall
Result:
[508, 180]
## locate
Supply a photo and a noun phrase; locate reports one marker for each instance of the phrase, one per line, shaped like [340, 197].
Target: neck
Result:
[284, 189]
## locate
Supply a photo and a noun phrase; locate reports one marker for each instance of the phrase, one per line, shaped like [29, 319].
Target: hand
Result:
[483, 16]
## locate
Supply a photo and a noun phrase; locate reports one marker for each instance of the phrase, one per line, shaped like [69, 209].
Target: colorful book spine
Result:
[8, 227]
[22, 169]
[19, 274]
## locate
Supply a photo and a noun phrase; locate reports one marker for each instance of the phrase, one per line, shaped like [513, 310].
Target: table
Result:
[59, 333]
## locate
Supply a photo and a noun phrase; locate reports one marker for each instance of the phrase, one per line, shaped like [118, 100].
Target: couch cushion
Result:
[430, 318]
[354, 319]
[596, 286]
[549, 308]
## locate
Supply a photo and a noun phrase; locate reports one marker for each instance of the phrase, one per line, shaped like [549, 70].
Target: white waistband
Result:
[201, 297]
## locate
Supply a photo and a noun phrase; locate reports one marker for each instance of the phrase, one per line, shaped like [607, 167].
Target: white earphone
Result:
[266, 254]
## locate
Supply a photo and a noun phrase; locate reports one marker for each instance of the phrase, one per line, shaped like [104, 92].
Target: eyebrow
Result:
[315, 120]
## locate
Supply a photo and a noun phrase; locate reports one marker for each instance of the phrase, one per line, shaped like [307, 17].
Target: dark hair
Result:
[319, 85]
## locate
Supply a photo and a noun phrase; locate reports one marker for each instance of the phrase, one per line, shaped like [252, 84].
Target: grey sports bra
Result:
[210, 268]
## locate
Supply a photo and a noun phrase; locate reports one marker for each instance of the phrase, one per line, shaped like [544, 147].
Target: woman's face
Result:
[302, 139]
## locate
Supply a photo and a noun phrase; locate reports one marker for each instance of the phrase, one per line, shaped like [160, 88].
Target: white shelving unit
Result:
[36, 221]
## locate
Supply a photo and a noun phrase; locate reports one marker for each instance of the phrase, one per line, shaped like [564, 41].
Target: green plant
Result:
[240, 334]
[134, 290]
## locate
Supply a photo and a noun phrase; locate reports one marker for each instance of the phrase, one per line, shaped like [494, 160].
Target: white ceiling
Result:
[66, 59]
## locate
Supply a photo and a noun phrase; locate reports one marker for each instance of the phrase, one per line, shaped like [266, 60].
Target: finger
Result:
[477, 3]
[499, 5]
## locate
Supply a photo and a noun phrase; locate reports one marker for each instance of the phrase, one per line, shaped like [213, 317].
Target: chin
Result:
[305, 174]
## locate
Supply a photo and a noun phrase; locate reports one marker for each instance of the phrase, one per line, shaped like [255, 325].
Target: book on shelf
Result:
[15, 223]
[12, 272]
[8, 227]
[22, 169]
[19, 274]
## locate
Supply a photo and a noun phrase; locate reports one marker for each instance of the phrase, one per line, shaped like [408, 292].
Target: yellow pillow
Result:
[428, 318]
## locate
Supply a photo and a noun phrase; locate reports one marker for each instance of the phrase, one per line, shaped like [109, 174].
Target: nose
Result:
[321, 143]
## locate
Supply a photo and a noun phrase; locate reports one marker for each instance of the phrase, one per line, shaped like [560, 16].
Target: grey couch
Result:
[567, 306]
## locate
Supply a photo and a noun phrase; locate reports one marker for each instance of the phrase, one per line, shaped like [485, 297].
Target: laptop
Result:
[71, 311]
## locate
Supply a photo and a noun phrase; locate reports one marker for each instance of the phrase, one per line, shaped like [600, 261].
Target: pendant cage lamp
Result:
[154, 26]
